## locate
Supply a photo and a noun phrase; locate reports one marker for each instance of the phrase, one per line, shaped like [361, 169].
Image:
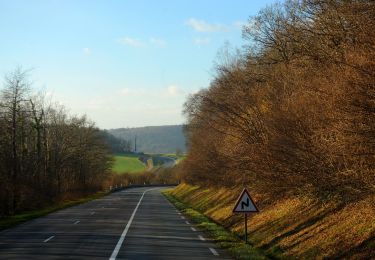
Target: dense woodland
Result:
[117, 145]
[154, 139]
[294, 111]
[45, 154]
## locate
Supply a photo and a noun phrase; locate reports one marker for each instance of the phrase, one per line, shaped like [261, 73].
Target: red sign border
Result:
[239, 199]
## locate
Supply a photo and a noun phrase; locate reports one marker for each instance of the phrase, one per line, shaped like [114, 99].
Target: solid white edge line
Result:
[201, 238]
[193, 229]
[123, 235]
[213, 251]
[48, 239]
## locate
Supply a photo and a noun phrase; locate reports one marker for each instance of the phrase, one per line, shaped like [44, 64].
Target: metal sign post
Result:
[245, 204]
[246, 228]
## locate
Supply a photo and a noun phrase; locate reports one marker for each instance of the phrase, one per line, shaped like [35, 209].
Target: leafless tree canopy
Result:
[44, 152]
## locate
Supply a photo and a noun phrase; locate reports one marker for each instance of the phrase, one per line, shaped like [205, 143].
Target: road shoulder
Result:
[218, 234]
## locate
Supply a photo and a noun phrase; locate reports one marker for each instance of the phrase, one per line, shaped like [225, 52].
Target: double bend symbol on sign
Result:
[245, 203]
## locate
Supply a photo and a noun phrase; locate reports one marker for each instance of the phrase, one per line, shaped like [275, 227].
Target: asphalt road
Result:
[137, 223]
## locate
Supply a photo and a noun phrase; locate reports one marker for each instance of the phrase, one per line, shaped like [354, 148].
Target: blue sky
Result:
[123, 63]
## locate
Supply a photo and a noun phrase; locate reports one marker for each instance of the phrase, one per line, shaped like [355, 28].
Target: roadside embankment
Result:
[299, 227]
[224, 238]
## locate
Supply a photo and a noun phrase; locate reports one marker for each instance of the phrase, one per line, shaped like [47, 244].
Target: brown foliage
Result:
[296, 113]
[159, 176]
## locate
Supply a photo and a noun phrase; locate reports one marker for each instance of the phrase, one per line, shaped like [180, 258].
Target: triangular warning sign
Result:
[245, 203]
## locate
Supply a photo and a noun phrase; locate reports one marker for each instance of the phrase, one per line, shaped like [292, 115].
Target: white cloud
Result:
[194, 91]
[157, 42]
[96, 103]
[173, 90]
[49, 94]
[239, 24]
[202, 41]
[131, 42]
[157, 106]
[86, 51]
[203, 26]
[125, 91]
[133, 92]
[167, 92]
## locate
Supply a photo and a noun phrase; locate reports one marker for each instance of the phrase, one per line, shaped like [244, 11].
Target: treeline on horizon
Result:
[294, 111]
[117, 145]
[45, 153]
[154, 139]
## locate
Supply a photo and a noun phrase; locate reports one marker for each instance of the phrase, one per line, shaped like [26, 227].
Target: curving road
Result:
[137, 223]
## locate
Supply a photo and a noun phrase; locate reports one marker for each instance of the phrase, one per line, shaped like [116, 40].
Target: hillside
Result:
[154, 139]
[291, 228]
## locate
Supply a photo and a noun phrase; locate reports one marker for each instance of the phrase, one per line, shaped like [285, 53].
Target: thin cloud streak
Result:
[158, 42]
[169, 91]
[203, 26]
[86, 51]
[133, 42]
[202, 41]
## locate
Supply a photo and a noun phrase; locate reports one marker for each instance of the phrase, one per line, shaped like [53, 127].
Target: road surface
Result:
[137, 223]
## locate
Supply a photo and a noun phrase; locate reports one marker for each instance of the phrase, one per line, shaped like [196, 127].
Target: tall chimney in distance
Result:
[135, 144]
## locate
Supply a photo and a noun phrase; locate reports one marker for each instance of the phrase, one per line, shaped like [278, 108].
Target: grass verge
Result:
[12, 221]
[292, 227]
[224, 238]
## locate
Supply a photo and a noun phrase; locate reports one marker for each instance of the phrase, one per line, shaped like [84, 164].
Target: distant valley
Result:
[153, 139]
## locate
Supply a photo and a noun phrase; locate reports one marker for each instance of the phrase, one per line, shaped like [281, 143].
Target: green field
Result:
[127, 163]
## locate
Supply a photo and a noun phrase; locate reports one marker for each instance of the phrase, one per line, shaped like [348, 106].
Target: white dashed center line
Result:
[201, 238]
[187, 222]
[123, 235]
[213, 251]
[75, 223]
[48, 239]
[193, 229]
[182, 217]
[92, 213]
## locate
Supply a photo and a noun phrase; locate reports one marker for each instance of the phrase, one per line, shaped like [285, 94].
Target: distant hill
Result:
[154, 139]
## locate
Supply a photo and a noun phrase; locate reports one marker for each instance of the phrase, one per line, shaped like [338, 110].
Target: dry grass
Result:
[222, 237]
[296, 227]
